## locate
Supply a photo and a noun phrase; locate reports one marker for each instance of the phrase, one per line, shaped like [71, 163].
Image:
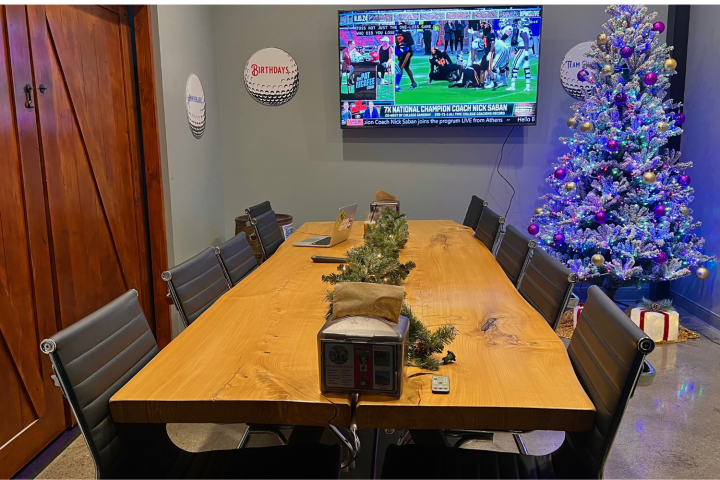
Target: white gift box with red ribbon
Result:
[576, 313]
[659, 325]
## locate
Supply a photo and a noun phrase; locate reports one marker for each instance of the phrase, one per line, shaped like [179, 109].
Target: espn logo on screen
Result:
[524, 109]
[355, 122]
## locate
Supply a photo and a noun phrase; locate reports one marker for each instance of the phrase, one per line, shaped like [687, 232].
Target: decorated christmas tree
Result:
[619, 212]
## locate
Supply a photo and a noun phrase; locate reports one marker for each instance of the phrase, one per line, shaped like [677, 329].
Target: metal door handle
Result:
[28, 96]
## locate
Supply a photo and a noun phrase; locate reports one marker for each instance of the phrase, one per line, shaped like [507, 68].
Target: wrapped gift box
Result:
[576, 313]
[659, 325]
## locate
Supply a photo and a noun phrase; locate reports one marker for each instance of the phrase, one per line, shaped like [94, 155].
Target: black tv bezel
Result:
[410, 127]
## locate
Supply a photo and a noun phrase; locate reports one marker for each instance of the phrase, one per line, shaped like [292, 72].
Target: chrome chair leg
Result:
[245, 438]
[520, 444]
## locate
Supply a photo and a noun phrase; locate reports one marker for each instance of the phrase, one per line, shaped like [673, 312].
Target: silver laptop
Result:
[340, 233]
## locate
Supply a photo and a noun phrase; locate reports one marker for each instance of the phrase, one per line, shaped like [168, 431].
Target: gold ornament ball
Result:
[586, 127]
[685, 211]
[663, 126]
[571, 122]
[538, 210]
[597, 260]
[702, 273]
[602, 39]
[570, 186]
[670, 64]
[608, 70]
[649, 178]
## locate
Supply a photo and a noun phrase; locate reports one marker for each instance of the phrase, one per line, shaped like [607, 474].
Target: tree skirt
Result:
[565, 329]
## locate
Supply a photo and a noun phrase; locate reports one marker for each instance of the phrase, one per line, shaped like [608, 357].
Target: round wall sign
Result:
[571, 65]
[195, 105]
[271, 76]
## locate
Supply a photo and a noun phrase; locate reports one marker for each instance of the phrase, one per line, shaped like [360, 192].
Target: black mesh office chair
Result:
[514, 254]
[489, 228]
[95, 357]
[472, 217]
[607, 353]
[263, 220]
[547, 285]
[236, 258]
[196, 284]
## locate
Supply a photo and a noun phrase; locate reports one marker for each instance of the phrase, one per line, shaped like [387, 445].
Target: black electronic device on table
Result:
[322, 259]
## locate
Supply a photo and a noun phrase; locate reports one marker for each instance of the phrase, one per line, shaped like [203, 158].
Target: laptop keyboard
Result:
[323, 241]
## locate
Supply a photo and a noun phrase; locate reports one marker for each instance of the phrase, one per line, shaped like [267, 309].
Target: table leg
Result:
[301, 435]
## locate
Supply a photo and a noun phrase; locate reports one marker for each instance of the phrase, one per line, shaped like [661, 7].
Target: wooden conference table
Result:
[252, 357]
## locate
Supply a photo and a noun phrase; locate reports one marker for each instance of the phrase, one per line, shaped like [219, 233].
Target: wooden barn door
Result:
[31, 408]
[88, 131]
[73, 226]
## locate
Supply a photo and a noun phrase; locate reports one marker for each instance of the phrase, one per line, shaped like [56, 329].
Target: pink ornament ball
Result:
[661, 258]
[558, 238]
[658, 27]
[685, 180]
[626, 52]
[559, 173]
[582, 75]
[613, 145]
[621, 98]
[601, 217]
[533, 229]
[659, 211]
[650, 78]
[680, 118]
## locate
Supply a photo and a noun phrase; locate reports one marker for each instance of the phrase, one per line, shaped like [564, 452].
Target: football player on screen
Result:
[443, 68]
[500, 64]
[405, 42]
[522, 53]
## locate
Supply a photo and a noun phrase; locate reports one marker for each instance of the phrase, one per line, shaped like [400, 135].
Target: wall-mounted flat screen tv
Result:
[439, 66]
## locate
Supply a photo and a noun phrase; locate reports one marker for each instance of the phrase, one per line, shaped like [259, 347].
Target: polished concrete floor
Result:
[669, 430]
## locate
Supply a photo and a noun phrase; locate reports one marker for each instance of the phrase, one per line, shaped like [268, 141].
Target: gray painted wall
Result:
[297, 156]
[194, 197]
[699, 144]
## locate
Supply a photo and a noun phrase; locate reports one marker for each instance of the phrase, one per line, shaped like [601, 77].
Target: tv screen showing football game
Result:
[439, 66]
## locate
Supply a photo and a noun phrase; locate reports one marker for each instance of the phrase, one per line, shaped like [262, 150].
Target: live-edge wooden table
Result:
[252, 357]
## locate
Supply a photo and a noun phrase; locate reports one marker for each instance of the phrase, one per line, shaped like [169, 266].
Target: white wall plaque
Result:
[195, 105]
[271, 76]
[569, 68]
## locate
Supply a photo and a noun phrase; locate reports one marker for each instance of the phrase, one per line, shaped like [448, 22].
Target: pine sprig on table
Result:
[378, 261]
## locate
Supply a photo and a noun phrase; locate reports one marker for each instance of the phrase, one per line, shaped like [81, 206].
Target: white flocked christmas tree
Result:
[619, 212]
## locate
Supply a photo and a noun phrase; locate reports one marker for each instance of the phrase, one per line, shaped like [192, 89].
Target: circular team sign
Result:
[195, 105]
[571, 65]
[271, 76]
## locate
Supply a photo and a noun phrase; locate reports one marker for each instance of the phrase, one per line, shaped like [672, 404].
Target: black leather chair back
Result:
[472, 217]
[607, 352]
[93, 358]
[267, 228]
[258, 209]
[514, 254]
[547, 285]
[488, 228]
[237, 258]
[196, 284]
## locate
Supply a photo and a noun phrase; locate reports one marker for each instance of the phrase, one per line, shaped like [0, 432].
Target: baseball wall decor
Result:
[195, 105]
[271, 76]
[570, 67]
